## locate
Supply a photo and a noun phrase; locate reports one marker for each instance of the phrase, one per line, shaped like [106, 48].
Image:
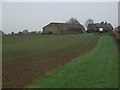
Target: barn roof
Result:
[68, 25]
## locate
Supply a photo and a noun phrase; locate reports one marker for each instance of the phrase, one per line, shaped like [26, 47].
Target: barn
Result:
[107, 27]
[63, 28]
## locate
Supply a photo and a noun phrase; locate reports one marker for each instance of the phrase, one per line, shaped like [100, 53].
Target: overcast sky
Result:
[18, 16]
[119, 13]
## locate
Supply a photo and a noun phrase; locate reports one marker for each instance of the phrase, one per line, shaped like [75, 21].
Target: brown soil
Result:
[23, 72]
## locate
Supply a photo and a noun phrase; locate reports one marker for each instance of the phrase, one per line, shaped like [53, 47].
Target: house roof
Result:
[101, 25]
[118, 27]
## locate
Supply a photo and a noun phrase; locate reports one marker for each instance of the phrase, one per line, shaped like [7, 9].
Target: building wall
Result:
[61, 29]
[95, 27]
[92, 28]
[53, 29]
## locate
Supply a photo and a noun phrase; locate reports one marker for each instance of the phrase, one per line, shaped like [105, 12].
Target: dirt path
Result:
[23, 72]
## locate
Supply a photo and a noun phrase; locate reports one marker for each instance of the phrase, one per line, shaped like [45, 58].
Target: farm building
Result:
[63, 28]
[95, 27]
[118, 28]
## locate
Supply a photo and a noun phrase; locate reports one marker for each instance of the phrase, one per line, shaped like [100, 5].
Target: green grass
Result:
[96, 69]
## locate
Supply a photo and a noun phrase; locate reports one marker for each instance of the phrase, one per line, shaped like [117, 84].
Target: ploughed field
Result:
[28, 57]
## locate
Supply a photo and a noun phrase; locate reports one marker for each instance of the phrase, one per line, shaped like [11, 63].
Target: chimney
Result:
[105, 23]
[102, 22]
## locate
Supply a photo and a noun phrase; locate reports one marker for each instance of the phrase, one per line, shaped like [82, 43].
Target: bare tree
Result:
[1, 32]
[25, 32]
[73, 21]
[12, 33]
[89, 21]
